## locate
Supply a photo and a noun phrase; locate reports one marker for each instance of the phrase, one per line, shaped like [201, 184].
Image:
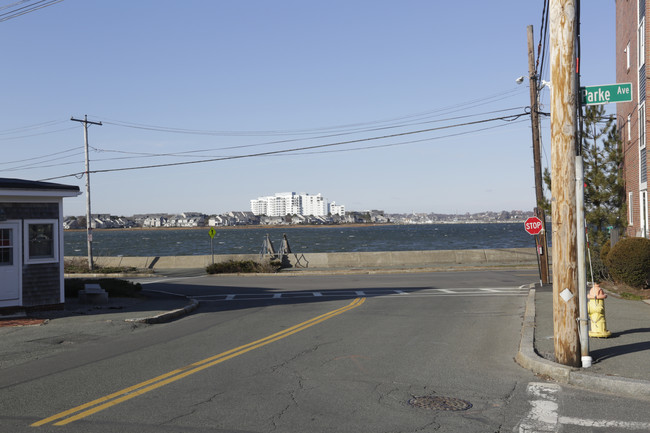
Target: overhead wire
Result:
[26, 9]
[346, 127]
[185, 153]
[292, 150]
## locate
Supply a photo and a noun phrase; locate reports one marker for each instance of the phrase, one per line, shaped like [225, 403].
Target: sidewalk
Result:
[44, 333]
[620, 363]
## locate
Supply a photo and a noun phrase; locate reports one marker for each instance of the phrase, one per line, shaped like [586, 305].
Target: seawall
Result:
[378, 260]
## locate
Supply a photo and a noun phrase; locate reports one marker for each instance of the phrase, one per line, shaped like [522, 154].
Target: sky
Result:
[373, 104]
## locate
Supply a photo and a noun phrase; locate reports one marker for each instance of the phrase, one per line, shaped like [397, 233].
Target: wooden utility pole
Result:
[89, 232]
[542, 250]
[563, 22]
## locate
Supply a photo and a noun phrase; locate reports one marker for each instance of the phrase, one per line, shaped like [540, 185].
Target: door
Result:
[9, 262]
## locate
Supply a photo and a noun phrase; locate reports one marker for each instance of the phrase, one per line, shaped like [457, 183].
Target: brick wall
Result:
[626, 32]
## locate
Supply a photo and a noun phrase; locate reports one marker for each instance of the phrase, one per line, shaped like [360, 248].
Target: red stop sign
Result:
[533, 225]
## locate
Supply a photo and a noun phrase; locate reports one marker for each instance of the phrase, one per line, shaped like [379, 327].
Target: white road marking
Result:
[446, 291]
[627, 425]
[385, 293]
[543, 416]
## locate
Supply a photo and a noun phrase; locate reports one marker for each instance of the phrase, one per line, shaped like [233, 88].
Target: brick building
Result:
[631, 54]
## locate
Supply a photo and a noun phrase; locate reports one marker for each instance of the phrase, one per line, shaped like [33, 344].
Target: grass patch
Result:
[79, 265]
[115, 287]
[631, 296]
[626, 292]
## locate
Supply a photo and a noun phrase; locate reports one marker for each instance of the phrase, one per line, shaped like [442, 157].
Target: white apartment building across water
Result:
[290, 203]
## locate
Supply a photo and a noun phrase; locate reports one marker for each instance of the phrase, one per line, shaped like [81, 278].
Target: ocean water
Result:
[320, 239]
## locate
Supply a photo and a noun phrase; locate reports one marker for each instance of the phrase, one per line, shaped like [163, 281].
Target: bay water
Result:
[302, 239]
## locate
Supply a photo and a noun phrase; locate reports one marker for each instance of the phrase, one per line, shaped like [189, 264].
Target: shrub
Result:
[116, 288]
[243, 267]
[629, 262]
[78, 265]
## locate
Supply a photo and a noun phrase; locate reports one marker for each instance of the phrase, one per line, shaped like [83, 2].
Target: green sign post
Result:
[606, 94]
[212, 232]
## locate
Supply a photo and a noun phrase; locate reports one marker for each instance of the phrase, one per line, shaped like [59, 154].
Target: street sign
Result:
[212, 232]
[606, 94]
[533, 225]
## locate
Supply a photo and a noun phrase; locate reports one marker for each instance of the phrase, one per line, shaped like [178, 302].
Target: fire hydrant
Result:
[596, 309]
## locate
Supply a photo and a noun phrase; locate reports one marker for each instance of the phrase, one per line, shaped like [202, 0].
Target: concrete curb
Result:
[530, 360]
[168, 315]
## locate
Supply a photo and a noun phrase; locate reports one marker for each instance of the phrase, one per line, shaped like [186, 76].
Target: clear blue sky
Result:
[278, 75]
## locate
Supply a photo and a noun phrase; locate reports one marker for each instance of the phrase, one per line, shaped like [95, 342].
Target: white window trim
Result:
[630, 208]
[629, 128]
[55, 241]
[641, 44]
[642, 126]
[643, 213]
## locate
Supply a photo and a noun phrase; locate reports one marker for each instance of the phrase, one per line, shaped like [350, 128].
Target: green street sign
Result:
[212, 232]
[606, 94]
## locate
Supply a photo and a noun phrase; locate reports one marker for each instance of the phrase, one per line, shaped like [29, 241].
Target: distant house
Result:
[31, 243]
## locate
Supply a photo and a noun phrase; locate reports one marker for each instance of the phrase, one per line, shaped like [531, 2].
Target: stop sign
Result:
[533, 225]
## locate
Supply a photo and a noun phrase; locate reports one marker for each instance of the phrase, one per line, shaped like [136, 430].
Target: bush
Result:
[243, 267]
[116, 288]
[79, 265]
[629, 262]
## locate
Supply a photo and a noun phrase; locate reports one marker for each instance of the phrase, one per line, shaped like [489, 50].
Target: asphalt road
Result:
[345, 353]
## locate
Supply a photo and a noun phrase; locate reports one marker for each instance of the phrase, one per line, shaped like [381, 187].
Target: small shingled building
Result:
[31, 244]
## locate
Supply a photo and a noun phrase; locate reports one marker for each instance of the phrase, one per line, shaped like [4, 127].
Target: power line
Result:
[275, 152]
[26, 9]
[303, 139]
[346, 128]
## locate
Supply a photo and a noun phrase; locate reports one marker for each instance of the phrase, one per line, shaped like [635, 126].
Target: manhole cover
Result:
[440, 403]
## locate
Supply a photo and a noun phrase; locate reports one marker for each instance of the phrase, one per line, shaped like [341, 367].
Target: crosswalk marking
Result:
[386, 293]
[543, 415]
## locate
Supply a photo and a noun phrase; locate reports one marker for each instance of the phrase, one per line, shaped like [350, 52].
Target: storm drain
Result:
[440, 403]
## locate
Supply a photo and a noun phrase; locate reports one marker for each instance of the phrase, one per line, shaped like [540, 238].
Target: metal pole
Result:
[582, 271]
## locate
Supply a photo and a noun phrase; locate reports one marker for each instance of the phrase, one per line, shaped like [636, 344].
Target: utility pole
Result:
[563, 26]
[542, 250]
[89, 232]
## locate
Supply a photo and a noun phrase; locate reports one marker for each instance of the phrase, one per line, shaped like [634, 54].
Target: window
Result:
[629, 127]
[630, 208]
[642, 126]
[41, 241]
[641, 44]
[6, 247]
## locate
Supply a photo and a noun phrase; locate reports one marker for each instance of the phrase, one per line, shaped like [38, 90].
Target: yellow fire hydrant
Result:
[596, 309]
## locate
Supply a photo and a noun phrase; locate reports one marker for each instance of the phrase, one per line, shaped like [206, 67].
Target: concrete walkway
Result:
[620, 363]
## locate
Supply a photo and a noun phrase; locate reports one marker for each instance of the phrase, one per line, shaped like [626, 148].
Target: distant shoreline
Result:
[293, 226]
[242, 227]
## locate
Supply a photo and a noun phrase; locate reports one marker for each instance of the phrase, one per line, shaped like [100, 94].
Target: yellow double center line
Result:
[118, 397]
